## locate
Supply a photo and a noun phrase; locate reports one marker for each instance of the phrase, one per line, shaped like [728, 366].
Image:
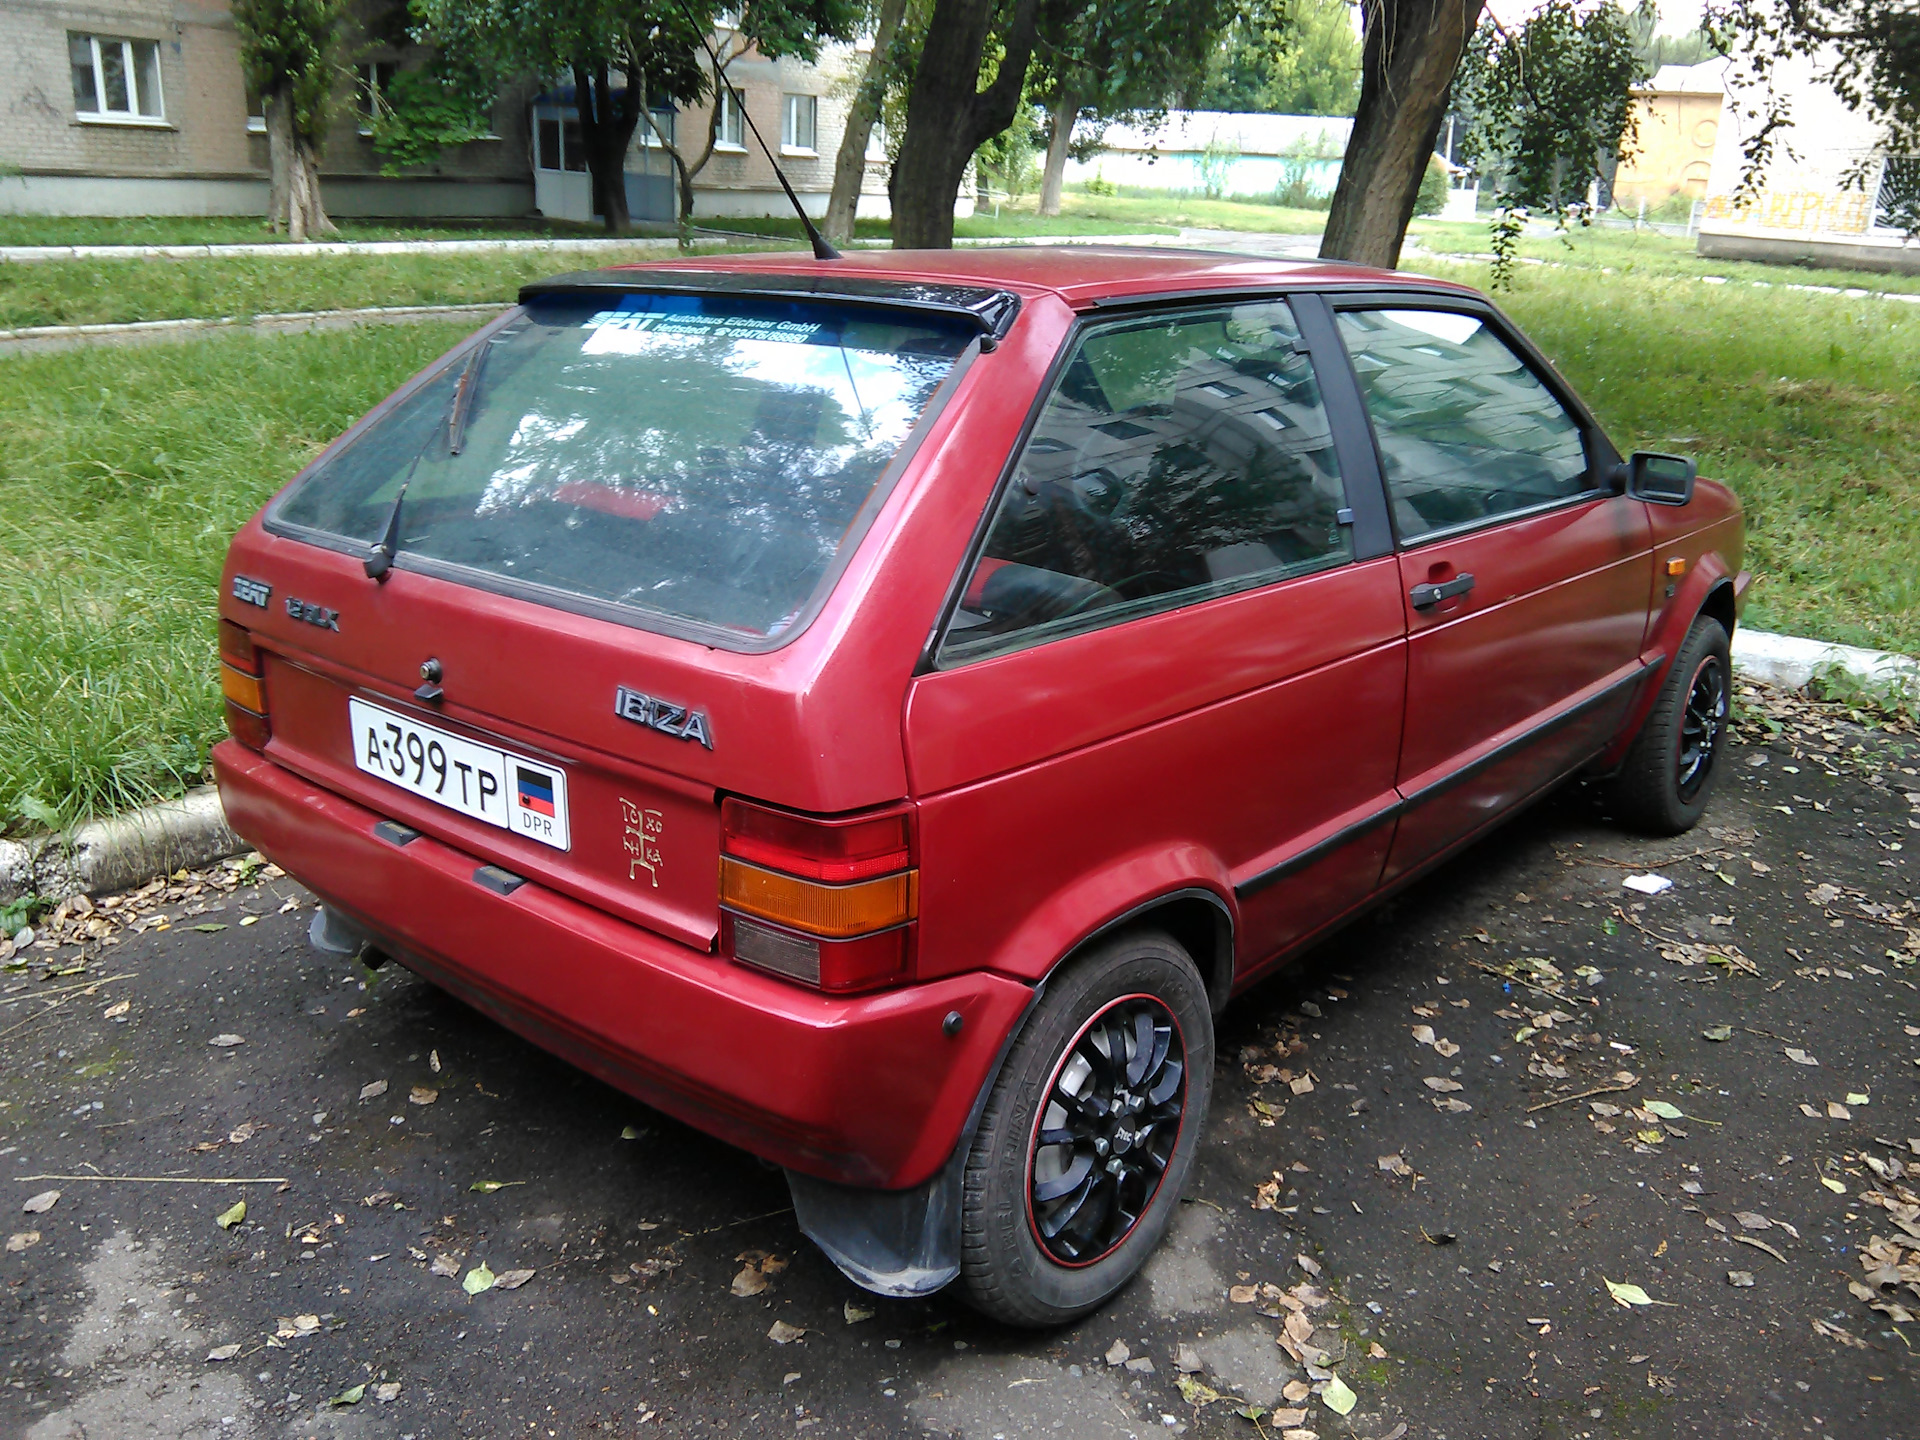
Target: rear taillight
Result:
[830, 903]
[244, 687]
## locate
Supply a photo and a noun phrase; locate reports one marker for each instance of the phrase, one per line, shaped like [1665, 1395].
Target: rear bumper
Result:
[866, 1091]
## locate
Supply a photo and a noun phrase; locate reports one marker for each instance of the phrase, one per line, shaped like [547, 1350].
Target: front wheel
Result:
[1662, 788]
[1088, 1134]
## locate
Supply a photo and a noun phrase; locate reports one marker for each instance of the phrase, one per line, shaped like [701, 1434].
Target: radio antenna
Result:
[821, 249]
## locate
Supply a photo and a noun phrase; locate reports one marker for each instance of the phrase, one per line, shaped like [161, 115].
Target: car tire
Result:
[1669, 773]
[1072, 1179]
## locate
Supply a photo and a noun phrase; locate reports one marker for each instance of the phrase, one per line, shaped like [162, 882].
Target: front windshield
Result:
[702, 458]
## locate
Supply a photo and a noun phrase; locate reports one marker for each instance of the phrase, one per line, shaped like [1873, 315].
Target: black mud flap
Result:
[335, 934]
[901, 1243]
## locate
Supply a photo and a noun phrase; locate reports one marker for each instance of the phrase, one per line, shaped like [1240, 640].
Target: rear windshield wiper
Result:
[463, 398]
[380, 559]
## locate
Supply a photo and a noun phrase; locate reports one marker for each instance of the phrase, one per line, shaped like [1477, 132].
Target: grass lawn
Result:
[251, 230]
[1643, 253]
[85, 292]
[124, 472]
[1145, 214]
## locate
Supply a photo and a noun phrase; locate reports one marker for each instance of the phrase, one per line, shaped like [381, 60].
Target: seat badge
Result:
[249, 591]
[662, 715]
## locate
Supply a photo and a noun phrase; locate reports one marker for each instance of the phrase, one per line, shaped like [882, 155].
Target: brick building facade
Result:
[139, 107]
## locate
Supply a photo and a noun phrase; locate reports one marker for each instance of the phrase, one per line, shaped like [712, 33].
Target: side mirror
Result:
[1660, 479]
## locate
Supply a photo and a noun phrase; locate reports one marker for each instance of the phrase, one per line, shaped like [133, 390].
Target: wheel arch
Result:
[1199, 919]
[1721, 604]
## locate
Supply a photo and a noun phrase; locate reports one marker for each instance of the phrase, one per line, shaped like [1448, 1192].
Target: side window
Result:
[1466, 431]
[1177, 459]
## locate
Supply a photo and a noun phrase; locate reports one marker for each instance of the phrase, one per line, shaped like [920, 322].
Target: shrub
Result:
[1432, 198]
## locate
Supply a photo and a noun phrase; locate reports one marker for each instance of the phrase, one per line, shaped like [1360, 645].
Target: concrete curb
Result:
[1790, 662]
[122, 852]
[38, 339]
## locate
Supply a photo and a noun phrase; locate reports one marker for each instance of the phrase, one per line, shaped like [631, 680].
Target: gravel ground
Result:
[1385, 1161]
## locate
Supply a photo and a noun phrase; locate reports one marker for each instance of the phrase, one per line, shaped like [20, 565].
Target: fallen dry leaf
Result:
[422, 1095]
[373, 1090]
[41, 1203]
[781, 1333]
[22, 1240]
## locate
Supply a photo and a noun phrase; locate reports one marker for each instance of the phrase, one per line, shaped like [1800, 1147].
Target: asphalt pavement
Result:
[1485, 1123]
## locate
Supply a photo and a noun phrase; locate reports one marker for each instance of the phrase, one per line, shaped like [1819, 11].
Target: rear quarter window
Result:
[1178, 458]
[693, 461]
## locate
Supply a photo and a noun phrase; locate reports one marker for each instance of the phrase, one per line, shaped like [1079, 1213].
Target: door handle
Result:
[1425, 597]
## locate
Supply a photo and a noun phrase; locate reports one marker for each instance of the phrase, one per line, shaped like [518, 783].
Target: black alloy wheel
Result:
[1701, 725]
[1102, 1141]
[1089, 1132]
[1667, 776]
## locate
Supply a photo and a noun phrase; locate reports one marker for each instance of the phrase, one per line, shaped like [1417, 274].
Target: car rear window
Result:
[697, 459]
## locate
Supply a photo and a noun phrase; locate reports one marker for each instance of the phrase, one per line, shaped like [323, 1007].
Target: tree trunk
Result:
[850, 164]
[293, 193]
[1410, 53]
[948, 118]
[1066, 110]
[278, 107]
[606, 130]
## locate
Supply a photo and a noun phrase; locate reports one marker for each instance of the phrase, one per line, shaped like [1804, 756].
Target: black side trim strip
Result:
[1539, 732]
[1294, 864]
[501, 882]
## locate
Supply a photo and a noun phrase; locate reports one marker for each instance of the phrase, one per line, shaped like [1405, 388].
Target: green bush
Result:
[1432, 198]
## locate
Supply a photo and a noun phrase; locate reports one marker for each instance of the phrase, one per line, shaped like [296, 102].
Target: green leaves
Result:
[1548, 100]
[227, 1219]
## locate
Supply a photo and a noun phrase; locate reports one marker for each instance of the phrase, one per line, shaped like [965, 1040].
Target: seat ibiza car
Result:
[880, 710]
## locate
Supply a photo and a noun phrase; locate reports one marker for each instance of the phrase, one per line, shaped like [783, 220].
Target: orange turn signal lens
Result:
[834, 912]
[249, 692]
[1676, 567]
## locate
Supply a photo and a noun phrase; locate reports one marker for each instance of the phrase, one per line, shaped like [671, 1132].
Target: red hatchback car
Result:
[880, 710]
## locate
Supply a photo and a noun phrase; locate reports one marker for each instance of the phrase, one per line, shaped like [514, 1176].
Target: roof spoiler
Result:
[989, 312]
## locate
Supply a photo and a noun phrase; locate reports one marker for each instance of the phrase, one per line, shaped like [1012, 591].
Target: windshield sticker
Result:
[705, 327]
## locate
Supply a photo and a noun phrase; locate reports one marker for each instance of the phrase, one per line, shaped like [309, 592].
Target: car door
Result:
[1524, 572]
[1176, 654]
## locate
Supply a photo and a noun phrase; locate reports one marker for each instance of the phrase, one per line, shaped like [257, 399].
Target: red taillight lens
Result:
[835, 851]
[828, 902]
[243, 687]
[236, 648]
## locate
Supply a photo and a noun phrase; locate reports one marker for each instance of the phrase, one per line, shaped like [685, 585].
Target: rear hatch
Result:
[510, 609]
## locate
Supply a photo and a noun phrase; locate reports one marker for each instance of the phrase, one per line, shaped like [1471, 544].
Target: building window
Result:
[256, 114]
[371, 80]
[797, 129]
[557, 141]
[732, 134]
[662, 127]
[116, 81]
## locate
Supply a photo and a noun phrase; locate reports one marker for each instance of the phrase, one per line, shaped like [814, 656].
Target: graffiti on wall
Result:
[1843, 212]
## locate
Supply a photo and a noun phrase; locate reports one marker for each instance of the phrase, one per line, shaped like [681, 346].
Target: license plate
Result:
[483, 783]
